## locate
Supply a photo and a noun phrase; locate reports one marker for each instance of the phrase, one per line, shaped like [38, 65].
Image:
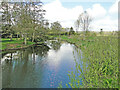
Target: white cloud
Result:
[57, 56]
[56, 12]
[97, 11]
[109, 21]
[106, 23]
[114, 8]
[102, 18]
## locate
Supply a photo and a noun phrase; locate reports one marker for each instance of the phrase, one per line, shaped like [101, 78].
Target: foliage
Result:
[101, 31]
[56, 27]
[6, 19]
[26, 19]
[71, 31]
[99, 63]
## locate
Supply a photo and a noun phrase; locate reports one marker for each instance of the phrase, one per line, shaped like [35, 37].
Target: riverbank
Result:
[79, 41]
[100, 54]
[14, 44]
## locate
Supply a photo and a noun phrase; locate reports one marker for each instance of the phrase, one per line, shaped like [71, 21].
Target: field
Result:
[100, 62]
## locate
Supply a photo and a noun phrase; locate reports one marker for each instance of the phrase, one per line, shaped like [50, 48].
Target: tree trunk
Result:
[59, 35]
[76, 31]
[21, 37]
[11, 37]
[33, 37]
[25, 41]
[17, 35]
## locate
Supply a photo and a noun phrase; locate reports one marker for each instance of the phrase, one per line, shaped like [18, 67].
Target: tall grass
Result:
[100, 63]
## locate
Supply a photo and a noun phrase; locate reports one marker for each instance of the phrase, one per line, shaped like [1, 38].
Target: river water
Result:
[42, 66]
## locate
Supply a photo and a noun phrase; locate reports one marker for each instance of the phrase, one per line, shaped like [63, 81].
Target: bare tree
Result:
[77, 24]
[83, 21]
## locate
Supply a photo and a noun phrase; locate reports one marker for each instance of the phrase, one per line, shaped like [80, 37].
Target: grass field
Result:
[100, 55]
[15, 43]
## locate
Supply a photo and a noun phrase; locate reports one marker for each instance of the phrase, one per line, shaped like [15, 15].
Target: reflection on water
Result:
[38, 66]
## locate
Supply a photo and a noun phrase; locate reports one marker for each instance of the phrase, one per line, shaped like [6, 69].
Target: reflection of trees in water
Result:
[6, 75]
[8, 52]
[20, 67]
[55, 45]
[40, 50]
[23, 55]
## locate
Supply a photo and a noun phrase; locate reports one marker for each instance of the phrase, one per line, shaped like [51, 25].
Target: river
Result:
[41, 66]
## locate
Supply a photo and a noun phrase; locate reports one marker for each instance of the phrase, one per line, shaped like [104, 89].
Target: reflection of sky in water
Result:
[45, 72]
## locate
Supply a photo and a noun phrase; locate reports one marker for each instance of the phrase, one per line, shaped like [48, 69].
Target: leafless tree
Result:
[83, 21]
[77, 24]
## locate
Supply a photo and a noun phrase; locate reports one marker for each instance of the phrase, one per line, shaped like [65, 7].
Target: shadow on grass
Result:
[6, 40]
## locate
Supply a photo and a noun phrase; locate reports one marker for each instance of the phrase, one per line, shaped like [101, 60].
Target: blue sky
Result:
[66, 12]
[86, 5]
[70, 4]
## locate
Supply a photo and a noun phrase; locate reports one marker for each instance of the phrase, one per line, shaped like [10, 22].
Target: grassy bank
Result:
[80, 42]
[100, 55]
[15, 43]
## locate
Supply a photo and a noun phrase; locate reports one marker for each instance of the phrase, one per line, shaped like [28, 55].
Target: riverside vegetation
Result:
[99, 63]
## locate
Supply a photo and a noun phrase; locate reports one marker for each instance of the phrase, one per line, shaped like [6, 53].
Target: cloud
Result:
[106, 23]
[102, 18]
[60, 54]
[56, 12]
[114, 8]
[97, 11]
[109, 21]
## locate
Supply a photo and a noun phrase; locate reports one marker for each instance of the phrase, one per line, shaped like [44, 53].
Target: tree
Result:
[6, 19]
[71, 31]
[56, 27]
[38, 16]
[27, 17]
[77, 25]
[101, 31]
[15, 15]
[84, 21]
[46, 24]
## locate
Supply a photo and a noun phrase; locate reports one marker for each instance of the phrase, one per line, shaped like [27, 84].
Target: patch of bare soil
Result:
[13, 45]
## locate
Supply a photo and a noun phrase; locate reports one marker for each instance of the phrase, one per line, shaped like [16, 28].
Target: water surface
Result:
[43, 66]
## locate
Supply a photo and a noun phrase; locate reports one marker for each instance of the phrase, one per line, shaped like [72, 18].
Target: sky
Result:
[103, 12]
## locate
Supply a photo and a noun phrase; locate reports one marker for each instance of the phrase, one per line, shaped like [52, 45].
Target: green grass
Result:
[79, 41]
[100, 62]
[15, 43]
